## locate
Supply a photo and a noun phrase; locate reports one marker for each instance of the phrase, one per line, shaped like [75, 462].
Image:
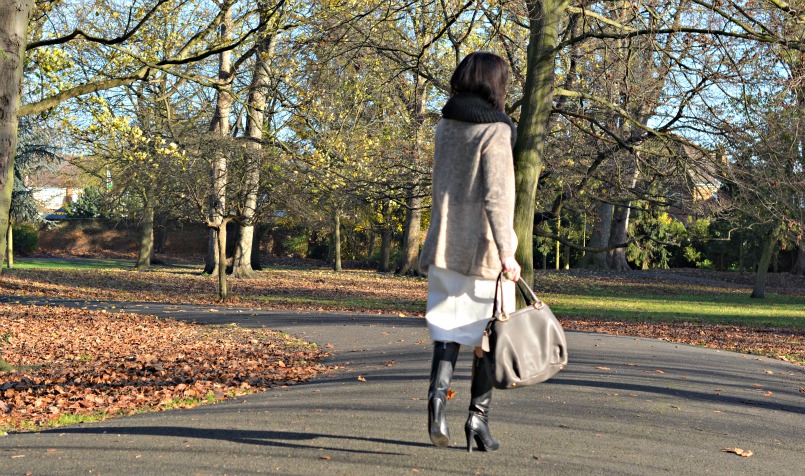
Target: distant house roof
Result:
[704, 170]
[53, 198]
[697, 193]
[54, 188]
[59, 214]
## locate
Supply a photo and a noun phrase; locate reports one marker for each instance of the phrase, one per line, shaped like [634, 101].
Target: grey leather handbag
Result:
[526, 346]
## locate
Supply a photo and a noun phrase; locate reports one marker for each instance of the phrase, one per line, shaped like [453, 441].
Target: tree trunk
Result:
[13, 39]
[219, 129]
[223, 292]
[759, 291]
[620, 223]
[385, 239]
[10, 246]
[146, 234]
[370, 246]
[160, 235]
[619, 234]
[799, 265]
[337, 240]
[211, 258]
[242, 259]
[412, 230]
[385, 249]
[602, 228]
[259, 234]
[412, 236]
[557, 245]
[741, 258]
[6, 190]
[544, 22]
[255, 119]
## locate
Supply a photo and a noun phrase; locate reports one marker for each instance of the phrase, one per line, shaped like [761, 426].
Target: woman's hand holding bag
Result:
[526, 346]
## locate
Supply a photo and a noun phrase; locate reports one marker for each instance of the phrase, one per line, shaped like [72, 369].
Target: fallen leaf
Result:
[738, 451]
[450, 393]
[326, 458]
[122, 364]
[768, 394]
[602, 368]
[361, 379]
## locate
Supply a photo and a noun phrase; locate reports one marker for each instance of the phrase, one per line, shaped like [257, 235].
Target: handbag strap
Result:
[530, 298]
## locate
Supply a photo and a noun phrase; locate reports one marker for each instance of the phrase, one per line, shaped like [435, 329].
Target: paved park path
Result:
[624, 406]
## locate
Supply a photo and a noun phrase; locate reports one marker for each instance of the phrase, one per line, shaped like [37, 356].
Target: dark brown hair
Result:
[482, 73]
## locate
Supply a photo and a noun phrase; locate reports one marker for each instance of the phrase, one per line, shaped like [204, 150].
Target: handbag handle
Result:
[530, 298]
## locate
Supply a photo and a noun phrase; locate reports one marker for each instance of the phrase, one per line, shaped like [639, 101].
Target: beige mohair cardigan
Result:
[472, 217]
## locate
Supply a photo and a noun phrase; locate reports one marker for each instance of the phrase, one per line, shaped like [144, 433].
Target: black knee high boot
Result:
[445, 355]
[477, 426]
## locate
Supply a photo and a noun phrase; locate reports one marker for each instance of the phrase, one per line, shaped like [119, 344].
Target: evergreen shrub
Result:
[26, 238]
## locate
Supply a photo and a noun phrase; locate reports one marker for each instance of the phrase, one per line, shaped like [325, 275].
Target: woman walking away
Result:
[471, 236]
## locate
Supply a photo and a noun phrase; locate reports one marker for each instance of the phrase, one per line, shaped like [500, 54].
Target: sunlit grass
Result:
[317, 288]
[728, 308]
[69, 263]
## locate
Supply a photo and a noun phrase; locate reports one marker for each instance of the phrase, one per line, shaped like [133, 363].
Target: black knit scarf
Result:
[473, 108]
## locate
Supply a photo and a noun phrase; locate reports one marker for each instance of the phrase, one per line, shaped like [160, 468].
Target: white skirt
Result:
[459, 306]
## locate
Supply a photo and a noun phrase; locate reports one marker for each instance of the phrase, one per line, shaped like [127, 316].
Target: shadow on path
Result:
[281, 439]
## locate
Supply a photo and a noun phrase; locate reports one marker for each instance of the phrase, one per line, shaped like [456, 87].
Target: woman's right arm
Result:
[497, 164]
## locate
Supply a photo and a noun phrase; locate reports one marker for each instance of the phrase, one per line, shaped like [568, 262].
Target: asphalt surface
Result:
[624, 405]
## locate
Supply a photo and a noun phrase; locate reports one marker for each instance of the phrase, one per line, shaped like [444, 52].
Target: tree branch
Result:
[95, 39]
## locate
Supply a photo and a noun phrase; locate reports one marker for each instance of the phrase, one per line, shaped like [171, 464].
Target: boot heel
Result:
[477, 426]
[471, 435]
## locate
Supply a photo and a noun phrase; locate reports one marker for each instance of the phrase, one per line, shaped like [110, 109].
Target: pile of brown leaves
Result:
[783, 344]
[79, 362]
[274, 289]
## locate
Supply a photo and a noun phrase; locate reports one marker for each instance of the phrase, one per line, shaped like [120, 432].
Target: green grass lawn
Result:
[728, 308]
[71, 263]
[613, 299]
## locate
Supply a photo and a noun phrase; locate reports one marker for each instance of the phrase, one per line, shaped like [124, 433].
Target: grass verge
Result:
[776, 311]
[71, 263]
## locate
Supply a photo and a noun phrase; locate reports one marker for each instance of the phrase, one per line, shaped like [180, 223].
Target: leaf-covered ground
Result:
[77, 365]
[93, 364]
